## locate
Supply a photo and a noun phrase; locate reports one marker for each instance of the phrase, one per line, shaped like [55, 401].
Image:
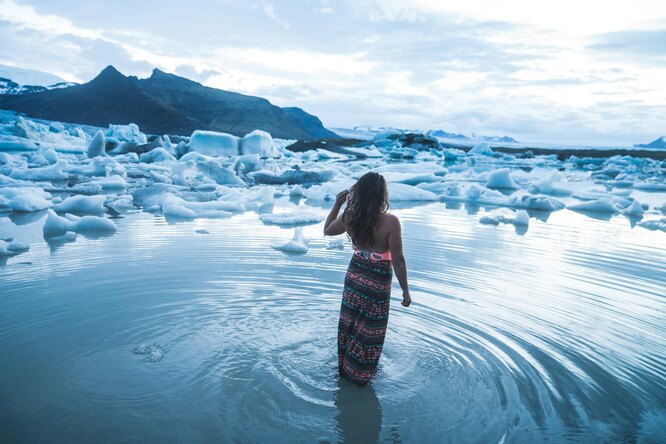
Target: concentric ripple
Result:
[199, 331]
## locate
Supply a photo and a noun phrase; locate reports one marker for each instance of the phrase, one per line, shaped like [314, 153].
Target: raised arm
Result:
[399, 263]
[334, 225]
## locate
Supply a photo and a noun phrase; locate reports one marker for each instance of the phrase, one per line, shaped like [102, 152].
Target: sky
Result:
[572, 71]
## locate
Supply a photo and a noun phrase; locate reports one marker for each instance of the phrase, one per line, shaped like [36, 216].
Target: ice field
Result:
[180, 289]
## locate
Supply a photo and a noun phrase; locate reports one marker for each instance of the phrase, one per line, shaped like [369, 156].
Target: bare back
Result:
[382, 234]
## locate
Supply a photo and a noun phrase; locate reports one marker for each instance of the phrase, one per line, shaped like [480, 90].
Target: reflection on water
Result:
[359, 418]
[199, 331]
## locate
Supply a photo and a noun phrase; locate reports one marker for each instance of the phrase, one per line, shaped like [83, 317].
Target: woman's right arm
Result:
[399, 263]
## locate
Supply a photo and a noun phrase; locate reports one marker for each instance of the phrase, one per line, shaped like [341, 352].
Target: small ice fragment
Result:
[97, 145]
[501, 178]
[297, 244]
[336, 244]
[634, 209]
[81, 204]
[200, 231]
[292, 218]
[489, 220]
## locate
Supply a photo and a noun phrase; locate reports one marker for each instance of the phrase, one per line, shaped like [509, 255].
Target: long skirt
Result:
[363, 317]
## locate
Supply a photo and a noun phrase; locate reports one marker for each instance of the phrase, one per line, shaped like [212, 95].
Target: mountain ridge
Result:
[165, 103]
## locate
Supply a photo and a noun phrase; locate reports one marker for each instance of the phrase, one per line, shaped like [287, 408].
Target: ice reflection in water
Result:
[556, 334]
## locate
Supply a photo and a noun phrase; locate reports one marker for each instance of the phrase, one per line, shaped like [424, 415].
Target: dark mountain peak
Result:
[110, 72]
[160, 76]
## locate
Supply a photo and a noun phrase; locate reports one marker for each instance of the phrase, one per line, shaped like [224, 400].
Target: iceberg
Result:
[97, 146]
[260, 143]
[212, 143]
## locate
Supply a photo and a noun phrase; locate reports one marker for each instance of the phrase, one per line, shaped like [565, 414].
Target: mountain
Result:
[165, 104]
[27, 81]
[657, 143]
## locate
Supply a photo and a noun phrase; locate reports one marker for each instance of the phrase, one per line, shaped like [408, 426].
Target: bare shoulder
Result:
[391, 221]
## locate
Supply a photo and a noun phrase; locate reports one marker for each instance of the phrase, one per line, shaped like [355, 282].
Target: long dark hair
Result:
[368, 202]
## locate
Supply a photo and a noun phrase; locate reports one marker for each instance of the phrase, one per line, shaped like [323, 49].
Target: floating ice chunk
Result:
[56, 225]
[371, 152]
[81, 204]
[12, 248]
[489, 220]
[547, 186]
[122, 204]
[399, 192]
[297, 191]
[634, 209]
[97, 145]
[521, 218]
[501, 178]
[336, 244]
[222, 175]
[481, 149]
[157, 155]
[413, 168]
[293, 176]
[410, 178]
[112, 183]
[538, 202]
[93, 224]
[28, 203]
[260, 143]
[292, 218]
[52, 172]
[597, 206]
[212, 143]
[297, 244]
[178, 207]
[127, 133]
[654, 224]
[650, 186]
[159, 177]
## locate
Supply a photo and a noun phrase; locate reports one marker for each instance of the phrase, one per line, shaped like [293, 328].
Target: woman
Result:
[377, 242]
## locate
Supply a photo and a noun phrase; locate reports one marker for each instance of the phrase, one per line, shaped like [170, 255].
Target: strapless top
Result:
[371, 255]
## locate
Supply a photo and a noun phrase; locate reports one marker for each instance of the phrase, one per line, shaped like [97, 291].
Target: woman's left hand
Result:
[341, 198]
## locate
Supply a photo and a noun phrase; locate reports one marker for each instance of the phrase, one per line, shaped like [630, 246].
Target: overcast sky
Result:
[585, 71]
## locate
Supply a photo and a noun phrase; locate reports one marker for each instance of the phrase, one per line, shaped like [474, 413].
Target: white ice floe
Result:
[57, 225]
[28, 203]
[97, 145]
[112, 183]
[547, 185]
[51, 172]
[292, 218]
[12, 248]
[598, 206]
[634, 209]
[127, 133]
[336, 244]
[500, 178]
[178, 207]
[654, 224]
[298, 244]
[481, 149]
[157, 155]
[371, 152]
[260, 143]
[399, 192]
[82, 204]
[212, 143]
[520, 219]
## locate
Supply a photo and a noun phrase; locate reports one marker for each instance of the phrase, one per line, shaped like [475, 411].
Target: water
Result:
[200, 332]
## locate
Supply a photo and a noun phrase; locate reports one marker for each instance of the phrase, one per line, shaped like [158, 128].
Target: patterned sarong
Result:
[363, 316]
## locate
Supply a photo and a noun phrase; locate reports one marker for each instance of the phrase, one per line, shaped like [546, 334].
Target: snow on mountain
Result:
[15, 80]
